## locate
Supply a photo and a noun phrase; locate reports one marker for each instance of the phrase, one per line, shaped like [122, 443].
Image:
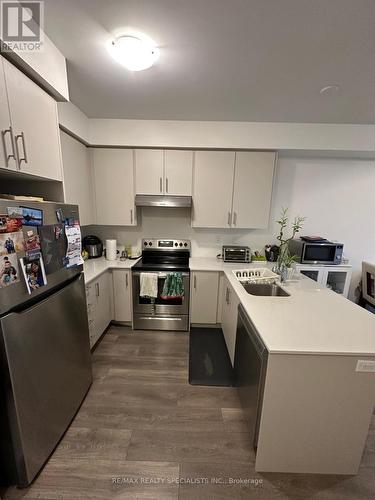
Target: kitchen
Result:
[164, 182]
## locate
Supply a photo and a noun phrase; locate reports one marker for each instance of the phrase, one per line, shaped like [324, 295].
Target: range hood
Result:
[155, 200]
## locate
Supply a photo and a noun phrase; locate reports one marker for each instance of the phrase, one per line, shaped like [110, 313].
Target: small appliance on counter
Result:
[93, 246]
[316, 250]
[236, 253]
[271, 252]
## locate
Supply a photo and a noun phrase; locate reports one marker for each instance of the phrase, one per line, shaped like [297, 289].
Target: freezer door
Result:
[53, 250]
[47, 372]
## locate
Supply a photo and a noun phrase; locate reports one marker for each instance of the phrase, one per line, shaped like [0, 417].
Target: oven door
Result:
[160, 306]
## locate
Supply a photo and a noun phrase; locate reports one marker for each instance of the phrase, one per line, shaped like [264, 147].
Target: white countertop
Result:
[95, 267]
[214, 264]
[313, 320]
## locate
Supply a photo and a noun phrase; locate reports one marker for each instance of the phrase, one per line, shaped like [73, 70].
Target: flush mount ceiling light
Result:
[330, 90]
[136, 53]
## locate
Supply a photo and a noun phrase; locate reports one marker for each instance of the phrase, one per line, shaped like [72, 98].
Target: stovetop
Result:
[164, 255]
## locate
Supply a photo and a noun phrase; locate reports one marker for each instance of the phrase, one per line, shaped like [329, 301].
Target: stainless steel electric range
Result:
[162, 257]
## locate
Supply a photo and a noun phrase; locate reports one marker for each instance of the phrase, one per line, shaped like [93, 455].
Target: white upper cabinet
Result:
[78, 181]
[253, 179]
[7, 147]
[149, 177]
[232, 190]
[114, 186]
[163, 172]
[213, 188]
[35, 125]
[178, 172]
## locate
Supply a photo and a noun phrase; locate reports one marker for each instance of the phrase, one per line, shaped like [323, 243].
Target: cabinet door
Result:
[204, 297]
[35, 125]
[7, 148]
[213, 188]
[178, 172]
[338, 280]
[253, 179]
[122, 295]
[230, 304]
[149, 173]
[77, 166]
[103, 289]
[114, 186]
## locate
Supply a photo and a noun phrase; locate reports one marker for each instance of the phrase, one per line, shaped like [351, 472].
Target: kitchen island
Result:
[317, 406]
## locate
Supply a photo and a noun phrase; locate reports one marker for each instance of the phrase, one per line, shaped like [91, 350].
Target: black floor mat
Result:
[209, 362]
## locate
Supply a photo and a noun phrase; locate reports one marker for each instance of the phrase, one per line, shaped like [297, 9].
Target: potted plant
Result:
[285, 261]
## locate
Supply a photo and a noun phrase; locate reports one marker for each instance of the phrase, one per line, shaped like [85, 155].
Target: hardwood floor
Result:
[144, 433]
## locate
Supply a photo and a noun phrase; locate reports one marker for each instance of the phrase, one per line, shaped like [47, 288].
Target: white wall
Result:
[73, 120]
[336, 196]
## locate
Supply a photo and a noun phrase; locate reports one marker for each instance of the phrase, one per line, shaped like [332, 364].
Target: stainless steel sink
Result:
[265, 289]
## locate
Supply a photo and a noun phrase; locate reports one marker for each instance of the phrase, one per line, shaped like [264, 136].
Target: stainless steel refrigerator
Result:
[45, 361]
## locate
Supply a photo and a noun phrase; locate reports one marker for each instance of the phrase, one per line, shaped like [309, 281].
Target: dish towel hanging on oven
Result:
[148, 285]
[173, 287]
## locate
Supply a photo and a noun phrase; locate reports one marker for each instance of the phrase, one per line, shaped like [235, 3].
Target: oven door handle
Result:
[160, 275]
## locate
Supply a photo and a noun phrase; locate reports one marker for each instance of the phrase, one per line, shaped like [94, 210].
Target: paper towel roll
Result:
[110, 249]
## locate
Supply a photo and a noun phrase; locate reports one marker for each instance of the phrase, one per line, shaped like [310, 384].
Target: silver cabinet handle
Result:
[161, 185]
[166, 184]
[97, 289]
[235, 218]
[126, 280]
[6, 155]
[195, 282]
[24, 158]
[227, 295]
[229, 218]
[131, 216]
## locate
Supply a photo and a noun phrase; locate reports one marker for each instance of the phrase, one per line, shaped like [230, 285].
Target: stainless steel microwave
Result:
[236, 253]
[326, 252]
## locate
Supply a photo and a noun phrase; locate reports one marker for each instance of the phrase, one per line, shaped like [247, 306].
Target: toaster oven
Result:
[233, 253]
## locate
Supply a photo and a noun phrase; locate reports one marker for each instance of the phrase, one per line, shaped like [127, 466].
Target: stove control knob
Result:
[150, 244]
[180, 244]
[176, 244]
[145, 243]
[185, 244]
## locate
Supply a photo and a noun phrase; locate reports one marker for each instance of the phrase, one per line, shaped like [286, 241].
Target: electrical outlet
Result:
[364, 365]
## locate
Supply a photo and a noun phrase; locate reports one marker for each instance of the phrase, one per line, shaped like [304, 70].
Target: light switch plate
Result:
[364, 365]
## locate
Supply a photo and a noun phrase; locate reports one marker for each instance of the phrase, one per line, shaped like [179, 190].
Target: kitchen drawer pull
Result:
[195, 282]
[161, 185]
[126, 280]
[24, 158]
[229, 218]
[227, 296]
[166, 184]
[97, 289]
[8, 156]
[235, 218]
[131, 216]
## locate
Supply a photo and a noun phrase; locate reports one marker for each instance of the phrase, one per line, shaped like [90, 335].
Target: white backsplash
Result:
[175, 223]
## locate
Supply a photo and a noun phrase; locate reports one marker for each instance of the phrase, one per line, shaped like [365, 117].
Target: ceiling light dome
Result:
[136, 53]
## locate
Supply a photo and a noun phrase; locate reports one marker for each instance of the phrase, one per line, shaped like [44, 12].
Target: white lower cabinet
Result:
[229, 311]
[336, 278]
[99, 297]
[122, 295]
[204, 297]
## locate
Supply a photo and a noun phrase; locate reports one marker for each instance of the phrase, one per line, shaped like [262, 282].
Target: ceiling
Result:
[239, 60]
